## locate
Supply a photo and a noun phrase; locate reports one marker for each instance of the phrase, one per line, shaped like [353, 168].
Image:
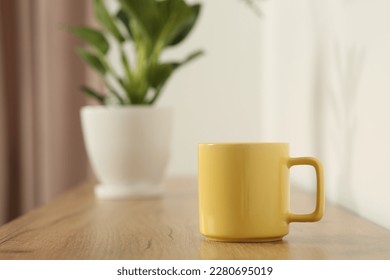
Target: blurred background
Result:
[309, 72]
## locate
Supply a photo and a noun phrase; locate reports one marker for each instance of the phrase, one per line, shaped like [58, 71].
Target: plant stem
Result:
[115, 93]
[119, 80]
[128, 71]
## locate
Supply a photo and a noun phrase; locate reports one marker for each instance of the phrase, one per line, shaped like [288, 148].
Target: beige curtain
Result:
[41, 148]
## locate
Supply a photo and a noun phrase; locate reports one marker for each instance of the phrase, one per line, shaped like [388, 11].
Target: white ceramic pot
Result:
[129, 148]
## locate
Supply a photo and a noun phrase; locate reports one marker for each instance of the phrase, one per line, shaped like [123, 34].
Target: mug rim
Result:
[243, 143]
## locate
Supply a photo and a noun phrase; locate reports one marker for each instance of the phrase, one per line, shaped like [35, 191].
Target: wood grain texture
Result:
[77, 226]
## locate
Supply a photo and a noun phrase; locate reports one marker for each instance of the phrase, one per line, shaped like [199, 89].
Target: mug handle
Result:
[317, 214]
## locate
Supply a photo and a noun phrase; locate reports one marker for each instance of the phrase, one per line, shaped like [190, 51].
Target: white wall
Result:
[319, 46]
[368, 25]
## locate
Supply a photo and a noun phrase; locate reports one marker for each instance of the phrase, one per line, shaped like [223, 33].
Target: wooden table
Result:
[77, 226]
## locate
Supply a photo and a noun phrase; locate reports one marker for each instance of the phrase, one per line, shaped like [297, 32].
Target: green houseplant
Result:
[151, 26]
[128, 139]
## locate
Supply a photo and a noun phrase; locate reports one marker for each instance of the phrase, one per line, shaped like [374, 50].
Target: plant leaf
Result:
[116, 94]
[186, 27]
[92, 60]
[93, 37]
[106, 20]
[146, 15]
[125, 19]
[176, 15]
[158, 74]
[126, 65]
[92, 93]
[189, 58]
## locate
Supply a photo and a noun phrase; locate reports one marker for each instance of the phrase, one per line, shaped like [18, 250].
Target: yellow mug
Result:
[244, 191]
